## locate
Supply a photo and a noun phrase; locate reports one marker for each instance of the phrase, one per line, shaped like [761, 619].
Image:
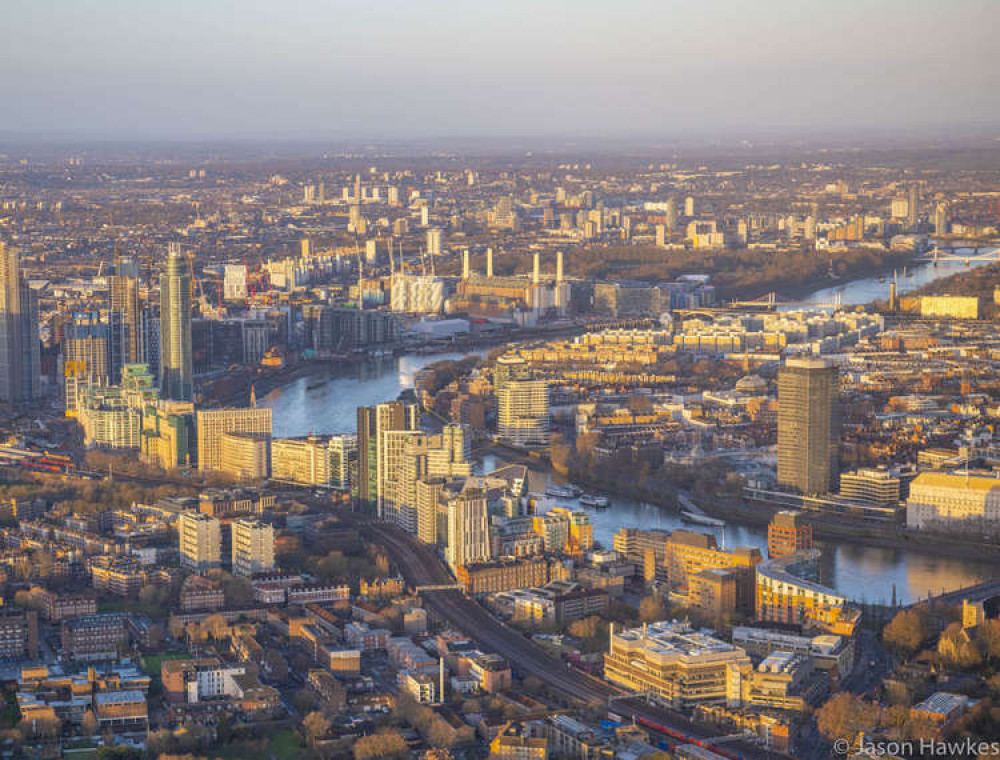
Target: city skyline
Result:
[525, 380]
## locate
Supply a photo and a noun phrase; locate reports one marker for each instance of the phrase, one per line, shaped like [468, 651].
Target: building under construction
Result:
[417, 294]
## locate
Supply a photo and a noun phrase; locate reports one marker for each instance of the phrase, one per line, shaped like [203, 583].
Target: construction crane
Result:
[190, 258]
[251, 292]
[204, 305]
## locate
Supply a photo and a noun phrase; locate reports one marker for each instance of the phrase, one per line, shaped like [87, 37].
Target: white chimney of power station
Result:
[465, 264]
[559, 268]
[489, 262]
[441, 680]
[536, 275]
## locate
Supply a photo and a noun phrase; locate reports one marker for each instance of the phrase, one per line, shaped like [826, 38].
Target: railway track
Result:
[420, 566]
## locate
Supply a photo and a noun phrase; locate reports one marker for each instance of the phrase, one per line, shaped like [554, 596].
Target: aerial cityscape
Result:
[517, 420]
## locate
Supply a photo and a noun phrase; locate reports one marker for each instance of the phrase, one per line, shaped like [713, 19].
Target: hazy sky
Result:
[386, 68]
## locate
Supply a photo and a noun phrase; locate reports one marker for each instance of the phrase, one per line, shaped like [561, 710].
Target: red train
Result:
[33, 460]
[683, 738]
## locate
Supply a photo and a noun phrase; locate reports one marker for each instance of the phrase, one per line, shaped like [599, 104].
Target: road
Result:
[873, 663]
[421, 566]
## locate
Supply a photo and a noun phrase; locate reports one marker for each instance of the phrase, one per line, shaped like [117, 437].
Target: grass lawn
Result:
[151, 664]
[116, 605]
[283, 744]
[80, 754]
[10, 714]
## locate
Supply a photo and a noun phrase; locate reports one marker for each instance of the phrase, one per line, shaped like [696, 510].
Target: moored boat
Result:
[561, 492]
[693, 517]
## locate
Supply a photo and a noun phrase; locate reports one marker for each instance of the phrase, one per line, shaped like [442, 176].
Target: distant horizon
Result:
[324, 69]
[832, 141]
[943, 131]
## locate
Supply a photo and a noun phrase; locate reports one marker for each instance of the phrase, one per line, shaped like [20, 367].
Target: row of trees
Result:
[735, 272]
[435, 730]
[656, 484]
[910, 629]
[350, 566]
[845, 715]
[436, 376]
[385, 744]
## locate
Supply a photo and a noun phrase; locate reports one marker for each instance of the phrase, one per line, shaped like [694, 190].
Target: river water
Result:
[327, 404]
[872, 288]
[861, 572]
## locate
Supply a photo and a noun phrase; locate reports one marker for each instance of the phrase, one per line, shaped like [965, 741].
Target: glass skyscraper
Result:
[176, 376]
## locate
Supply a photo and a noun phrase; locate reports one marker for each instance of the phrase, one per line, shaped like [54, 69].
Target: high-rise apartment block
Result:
[213, 424]
[315, 460]
[199, 541]
[509, 368]
[373, 424]
[246, 455]
[20, 351]
[253, 547]
[941, 218]
[468, 529]
[523, 412]
[168, 434]
[808, 432]
[127, 314]
[413, 456]
[111, 416]
[176, 373]
[86, 348]
[431, 528]
[913, 206]
[394, 505]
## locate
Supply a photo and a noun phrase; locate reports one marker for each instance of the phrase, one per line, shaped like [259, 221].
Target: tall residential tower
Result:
[20, 351]
[176, 375]
[128, 341]
[374, 422]
[808, 432]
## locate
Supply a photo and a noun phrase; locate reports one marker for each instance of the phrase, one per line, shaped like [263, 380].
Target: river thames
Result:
[327, 403]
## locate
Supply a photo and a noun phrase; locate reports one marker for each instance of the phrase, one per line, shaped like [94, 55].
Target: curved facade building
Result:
[788, 591]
